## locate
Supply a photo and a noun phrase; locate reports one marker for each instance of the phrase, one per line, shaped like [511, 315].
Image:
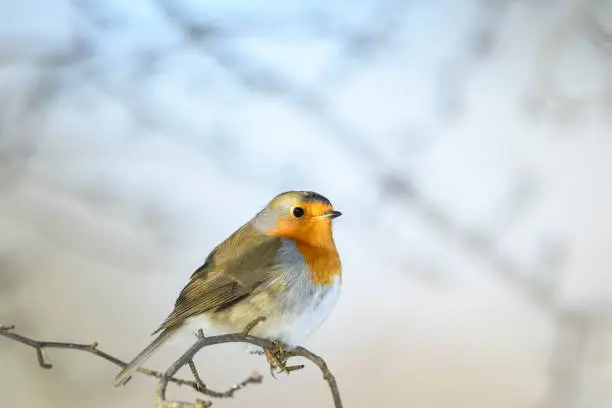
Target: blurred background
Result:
[468, 145]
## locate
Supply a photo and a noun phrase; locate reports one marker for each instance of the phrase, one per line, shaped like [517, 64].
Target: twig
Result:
[255, 378]
[187, 359]
[244, 337]
[40, 346]
[327, 375]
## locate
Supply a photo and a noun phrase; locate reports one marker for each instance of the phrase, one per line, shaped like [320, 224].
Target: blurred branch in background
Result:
[277, 352]
[454, 77]
[577, 332]
[582, 21]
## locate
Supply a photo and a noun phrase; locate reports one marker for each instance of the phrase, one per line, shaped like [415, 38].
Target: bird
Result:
[282, 265]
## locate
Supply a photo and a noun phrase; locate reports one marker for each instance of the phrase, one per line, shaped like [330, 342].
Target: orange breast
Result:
[324, 263]
[313, 238]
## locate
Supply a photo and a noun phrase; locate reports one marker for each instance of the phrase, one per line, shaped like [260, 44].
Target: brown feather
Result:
[232, 271]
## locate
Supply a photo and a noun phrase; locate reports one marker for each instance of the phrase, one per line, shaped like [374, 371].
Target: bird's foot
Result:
[278, 357]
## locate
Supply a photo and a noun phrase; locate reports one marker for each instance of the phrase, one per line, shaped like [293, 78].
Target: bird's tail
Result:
[143, 356]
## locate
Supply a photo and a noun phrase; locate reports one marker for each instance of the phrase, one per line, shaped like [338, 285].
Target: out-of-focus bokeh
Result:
[468, 144]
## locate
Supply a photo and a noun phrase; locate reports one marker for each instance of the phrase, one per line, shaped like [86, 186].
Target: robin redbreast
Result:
[281, 265]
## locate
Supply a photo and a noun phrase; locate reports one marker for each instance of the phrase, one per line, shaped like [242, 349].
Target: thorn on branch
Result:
[42, 361]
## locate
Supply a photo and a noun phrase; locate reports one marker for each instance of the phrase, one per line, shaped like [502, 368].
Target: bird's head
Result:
[303, 216]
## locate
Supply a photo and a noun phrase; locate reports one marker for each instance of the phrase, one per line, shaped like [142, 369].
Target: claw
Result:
[277, 359]
[272, 373]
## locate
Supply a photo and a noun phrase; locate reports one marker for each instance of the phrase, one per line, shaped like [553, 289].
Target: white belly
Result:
[297, 322]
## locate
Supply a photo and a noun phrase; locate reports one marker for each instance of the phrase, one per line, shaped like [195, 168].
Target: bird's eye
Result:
[298, 212]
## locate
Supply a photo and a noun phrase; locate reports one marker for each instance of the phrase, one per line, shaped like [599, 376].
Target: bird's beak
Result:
[331, 214]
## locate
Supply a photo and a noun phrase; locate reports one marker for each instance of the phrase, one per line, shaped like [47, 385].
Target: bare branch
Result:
[255, 378]
[40, 346]
[244, 337]
[595, 31]
[281, 354]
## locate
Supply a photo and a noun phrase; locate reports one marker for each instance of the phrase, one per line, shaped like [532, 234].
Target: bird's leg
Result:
[250, 327]
[278, 357]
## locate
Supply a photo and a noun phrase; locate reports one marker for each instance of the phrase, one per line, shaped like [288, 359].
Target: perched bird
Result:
[282, 265]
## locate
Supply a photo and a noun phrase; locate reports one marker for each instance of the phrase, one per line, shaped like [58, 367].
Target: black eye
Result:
[298, 212]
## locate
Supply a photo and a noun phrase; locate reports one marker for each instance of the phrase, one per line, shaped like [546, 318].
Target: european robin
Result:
[282, 265]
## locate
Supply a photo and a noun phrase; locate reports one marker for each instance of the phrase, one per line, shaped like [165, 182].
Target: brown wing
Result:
[231, 272]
